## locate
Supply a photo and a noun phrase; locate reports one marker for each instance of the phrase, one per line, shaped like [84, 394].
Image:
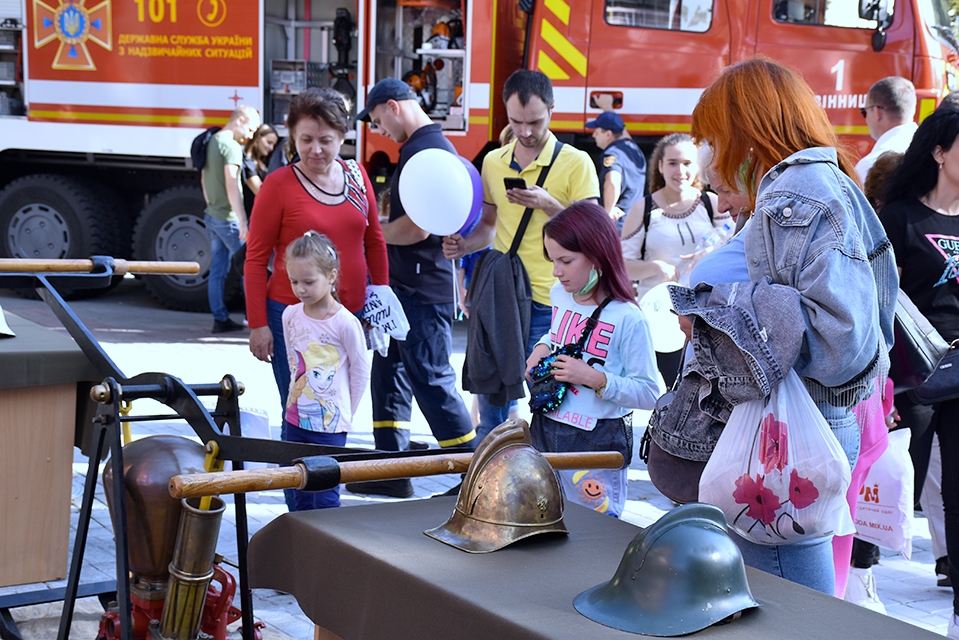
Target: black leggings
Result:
[944, 419]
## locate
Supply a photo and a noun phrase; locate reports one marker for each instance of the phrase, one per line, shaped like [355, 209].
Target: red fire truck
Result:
[651, 59]
[100, 99]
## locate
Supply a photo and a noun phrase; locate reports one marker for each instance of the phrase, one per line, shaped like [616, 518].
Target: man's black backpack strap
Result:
[521, 230]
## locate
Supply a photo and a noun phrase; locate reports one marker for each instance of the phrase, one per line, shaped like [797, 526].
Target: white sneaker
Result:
[953, 631]
[861, 590]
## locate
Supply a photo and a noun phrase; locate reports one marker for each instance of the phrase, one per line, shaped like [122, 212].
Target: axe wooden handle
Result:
[82, 265]
[207, 484]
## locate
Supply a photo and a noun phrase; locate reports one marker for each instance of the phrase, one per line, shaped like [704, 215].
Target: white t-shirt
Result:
[620, 346]
[896, 139]
[329, 367]
[669, 238]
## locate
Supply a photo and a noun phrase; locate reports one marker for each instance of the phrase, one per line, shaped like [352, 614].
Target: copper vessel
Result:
[153, 516]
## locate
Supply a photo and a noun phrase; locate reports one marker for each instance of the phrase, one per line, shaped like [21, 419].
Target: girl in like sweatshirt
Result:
[618, 370]
[326, 350]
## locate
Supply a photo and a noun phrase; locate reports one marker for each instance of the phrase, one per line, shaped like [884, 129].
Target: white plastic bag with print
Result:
[885, 511]
[778, 472]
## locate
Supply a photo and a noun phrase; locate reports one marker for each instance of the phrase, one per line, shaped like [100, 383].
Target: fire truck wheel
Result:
[171, 228]
[53, 216]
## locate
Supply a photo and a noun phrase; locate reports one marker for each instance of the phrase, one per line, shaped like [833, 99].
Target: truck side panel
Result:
[658, 63]
[559, 47]
[154, 63]
[507, 56]
[839, 62]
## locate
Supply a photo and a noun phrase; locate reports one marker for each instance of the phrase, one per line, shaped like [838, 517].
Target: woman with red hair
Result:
[812, 230]
[617, 372]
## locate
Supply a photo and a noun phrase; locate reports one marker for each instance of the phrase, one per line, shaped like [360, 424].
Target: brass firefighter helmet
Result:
[680, 575]
[510, 492]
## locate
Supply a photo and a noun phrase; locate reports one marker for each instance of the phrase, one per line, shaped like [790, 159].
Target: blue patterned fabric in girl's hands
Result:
[547, 392]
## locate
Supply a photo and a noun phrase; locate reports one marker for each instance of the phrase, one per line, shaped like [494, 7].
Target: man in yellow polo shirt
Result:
[529, 105]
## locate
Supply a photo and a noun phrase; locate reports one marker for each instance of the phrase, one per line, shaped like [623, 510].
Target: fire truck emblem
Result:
[74, 25]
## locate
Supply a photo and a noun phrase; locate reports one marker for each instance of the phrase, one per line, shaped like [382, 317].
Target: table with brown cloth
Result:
[369, 572]
[43, 377]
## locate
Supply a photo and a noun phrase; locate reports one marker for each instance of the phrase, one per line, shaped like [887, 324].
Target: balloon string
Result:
[456, 288]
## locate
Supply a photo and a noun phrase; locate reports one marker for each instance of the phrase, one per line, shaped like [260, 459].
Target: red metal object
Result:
[218, 612]
[142, 612]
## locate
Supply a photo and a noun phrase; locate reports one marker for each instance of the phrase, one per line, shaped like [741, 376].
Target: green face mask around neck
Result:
[591, 283]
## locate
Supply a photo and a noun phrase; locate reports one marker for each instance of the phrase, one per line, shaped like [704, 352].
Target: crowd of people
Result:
[573, 250]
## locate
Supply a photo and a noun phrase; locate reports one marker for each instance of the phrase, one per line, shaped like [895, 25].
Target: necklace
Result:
[319, 188]
[326, 314]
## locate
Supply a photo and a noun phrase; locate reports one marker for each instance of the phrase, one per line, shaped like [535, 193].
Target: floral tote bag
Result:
[778, 472]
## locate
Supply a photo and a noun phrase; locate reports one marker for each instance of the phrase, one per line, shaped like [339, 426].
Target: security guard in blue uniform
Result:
[622, 172]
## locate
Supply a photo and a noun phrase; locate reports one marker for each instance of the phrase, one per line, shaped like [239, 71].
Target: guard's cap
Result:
[609, 120]
[386, 89]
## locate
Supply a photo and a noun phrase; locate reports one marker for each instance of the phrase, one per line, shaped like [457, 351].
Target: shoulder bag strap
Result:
[521, 230]
[355, 188]
[592, 322]
[708, 204]
[647, 216]
[357, 175]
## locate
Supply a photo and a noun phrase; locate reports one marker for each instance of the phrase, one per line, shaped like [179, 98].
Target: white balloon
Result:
[436, 191]
[663, 323]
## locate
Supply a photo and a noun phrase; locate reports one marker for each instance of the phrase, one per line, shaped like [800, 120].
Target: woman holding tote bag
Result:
[812, 231]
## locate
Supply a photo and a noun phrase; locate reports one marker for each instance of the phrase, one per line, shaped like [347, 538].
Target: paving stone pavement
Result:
[907, 587]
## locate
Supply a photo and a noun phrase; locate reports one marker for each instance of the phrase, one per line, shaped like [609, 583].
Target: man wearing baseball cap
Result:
[622, 174]
[418, 367]
[384, 91]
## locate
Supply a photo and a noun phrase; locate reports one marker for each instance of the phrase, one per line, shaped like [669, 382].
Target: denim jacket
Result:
[746, 335]
[816, 232]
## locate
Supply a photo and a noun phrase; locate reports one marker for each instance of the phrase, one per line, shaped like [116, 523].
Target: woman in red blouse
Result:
[323, 193]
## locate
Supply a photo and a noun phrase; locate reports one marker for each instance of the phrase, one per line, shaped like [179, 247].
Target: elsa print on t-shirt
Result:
[315, 370]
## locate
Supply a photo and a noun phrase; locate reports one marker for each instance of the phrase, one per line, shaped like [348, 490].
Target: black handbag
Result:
[546, 392]
[674, 477]
[918, 347]
[943, 383]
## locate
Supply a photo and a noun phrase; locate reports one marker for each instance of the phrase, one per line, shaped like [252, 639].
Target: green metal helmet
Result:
[679, 576]
[510, 492]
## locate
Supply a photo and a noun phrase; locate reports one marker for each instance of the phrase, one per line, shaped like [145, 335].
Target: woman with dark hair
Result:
[813, 231]
[679, 213]
[617, 372]
[921, 216]
[256, 155]
[321, 193]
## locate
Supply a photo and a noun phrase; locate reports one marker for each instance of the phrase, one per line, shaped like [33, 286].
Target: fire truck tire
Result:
[53, 216]
[171, 228]
[119, 212]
